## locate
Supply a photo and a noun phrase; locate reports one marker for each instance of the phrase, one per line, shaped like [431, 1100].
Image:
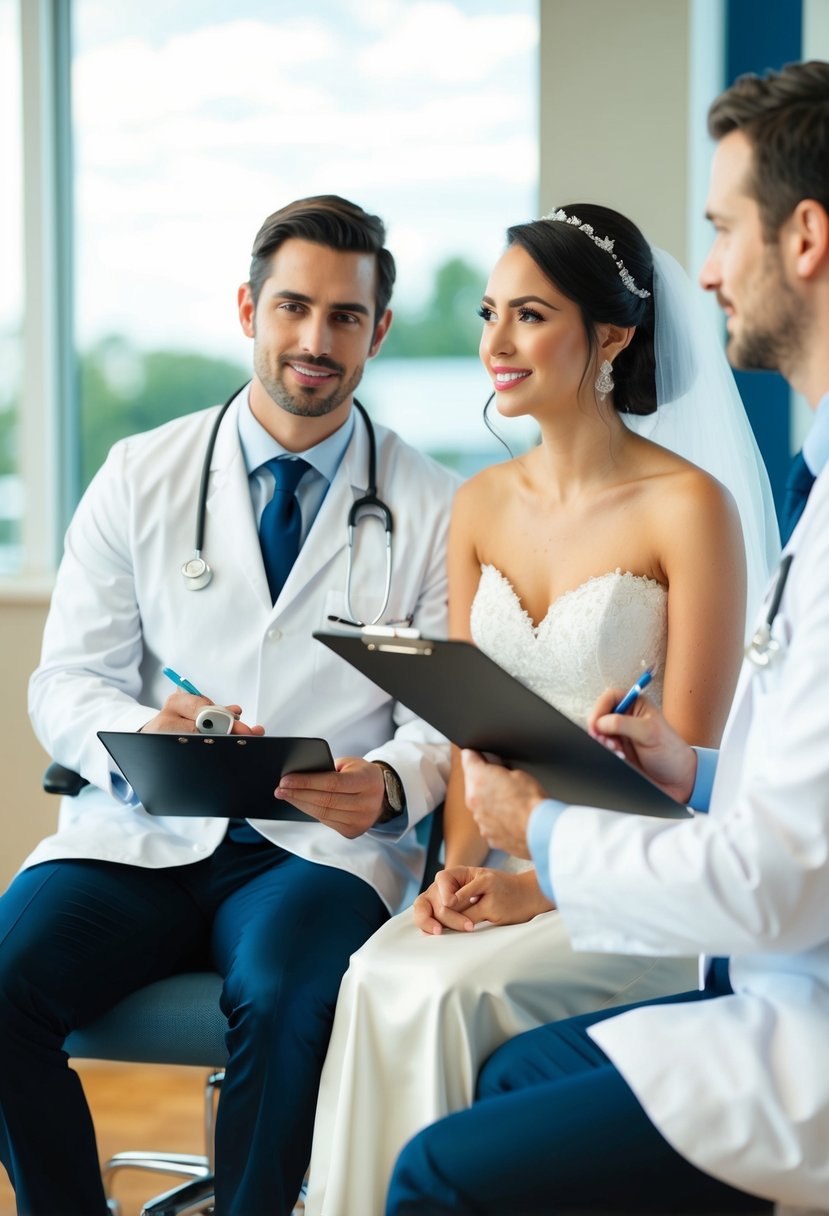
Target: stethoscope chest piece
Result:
[763, 649]
[196, 573]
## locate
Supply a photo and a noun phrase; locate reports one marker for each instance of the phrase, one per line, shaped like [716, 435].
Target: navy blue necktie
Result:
[279, 532]
[798, 486]
[281, 522]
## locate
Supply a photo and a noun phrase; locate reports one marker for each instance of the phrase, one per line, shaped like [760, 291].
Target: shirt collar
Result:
[816, 444]
[258, 446]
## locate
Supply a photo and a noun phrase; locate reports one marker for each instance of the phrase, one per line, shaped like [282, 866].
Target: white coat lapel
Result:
[729, 766]
[231, 537]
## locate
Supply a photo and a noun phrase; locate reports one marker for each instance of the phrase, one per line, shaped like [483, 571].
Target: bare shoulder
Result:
[484, 491]
[700, 499]
[685, 492]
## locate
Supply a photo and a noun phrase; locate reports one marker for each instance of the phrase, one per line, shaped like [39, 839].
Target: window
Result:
[192, 122]
[11, 289]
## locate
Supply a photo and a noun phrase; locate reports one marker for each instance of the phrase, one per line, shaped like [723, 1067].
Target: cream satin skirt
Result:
[416, 1018]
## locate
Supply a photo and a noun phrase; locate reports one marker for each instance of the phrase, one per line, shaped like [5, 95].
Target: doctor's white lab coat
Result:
[120, 612]
[738, 1085]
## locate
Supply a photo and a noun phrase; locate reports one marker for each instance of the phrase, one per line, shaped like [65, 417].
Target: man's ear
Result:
[806, 238]
[380, 331]
[247, 310]
[614, 338]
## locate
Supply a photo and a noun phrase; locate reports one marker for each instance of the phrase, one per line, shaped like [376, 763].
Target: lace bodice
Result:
[599, 635]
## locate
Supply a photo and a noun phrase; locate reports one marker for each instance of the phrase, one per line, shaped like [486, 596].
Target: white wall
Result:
[614, 125]
[815, 29]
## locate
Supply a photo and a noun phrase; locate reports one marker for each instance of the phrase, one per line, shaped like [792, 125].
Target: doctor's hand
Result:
[465, 896]
[348, 800]
[177, 716]
[501, 800]
[645, 739]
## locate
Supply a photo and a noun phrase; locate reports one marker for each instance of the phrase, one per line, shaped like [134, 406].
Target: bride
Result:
[597, 554]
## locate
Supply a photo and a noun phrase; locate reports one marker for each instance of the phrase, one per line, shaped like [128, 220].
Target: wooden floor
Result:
[138, 1106]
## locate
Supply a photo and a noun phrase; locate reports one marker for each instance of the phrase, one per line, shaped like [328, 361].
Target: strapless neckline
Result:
[563, 602]
[601, 634]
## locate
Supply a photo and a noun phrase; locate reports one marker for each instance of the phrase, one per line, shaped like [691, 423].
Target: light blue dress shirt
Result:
[546, 815]
[816, 444]
[324, 458]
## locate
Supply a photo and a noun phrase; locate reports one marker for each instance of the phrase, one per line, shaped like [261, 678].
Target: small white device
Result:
[215, 720]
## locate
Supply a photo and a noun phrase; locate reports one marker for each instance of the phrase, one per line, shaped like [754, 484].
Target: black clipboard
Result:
[467, 697]
[229, 776]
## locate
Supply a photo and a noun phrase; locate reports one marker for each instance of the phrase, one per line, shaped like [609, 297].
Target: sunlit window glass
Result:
[11, 289]
[193, 121]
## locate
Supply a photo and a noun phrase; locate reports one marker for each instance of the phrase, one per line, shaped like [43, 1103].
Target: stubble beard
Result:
[774, 340]
[304, 402]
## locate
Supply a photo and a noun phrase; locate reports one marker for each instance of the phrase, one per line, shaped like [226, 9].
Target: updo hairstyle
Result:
[589, 276]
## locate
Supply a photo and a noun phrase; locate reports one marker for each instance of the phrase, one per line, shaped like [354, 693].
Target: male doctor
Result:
[117, 897]
[708, 1100]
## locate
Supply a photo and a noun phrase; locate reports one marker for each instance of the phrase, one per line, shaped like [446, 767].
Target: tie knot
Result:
[798, 487]
[287, 472]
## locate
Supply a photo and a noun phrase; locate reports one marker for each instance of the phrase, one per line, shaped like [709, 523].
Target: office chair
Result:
[175, 1021]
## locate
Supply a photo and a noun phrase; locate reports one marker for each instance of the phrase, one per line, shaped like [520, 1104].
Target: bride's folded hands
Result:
[465, 896]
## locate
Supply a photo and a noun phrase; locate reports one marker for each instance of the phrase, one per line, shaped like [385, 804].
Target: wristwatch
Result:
[394, 797]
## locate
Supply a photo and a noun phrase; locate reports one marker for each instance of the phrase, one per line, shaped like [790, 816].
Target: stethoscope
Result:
[197, 574]
[763, 648]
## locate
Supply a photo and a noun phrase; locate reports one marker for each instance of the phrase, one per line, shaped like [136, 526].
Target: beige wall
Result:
[27, 813]
[614, 111]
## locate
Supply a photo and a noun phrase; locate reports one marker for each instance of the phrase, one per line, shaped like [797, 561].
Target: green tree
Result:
[8, 440]
[449, 325]
[124, 391]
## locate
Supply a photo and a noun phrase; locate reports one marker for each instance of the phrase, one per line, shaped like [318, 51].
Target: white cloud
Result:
[438, 40]
[130, 83]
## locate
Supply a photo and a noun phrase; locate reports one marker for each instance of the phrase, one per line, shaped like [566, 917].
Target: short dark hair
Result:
[589, 276]
[785, 117]
[325, 219]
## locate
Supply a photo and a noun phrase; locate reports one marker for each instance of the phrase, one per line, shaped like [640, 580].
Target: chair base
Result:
[192, 1198]
[195, 1195]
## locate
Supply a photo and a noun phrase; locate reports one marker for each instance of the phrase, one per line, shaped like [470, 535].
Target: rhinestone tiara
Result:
[603, 242]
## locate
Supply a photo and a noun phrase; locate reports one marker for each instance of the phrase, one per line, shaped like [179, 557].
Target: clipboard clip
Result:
[395, 639]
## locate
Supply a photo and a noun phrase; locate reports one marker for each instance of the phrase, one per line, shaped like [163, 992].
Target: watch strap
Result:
[394, 797]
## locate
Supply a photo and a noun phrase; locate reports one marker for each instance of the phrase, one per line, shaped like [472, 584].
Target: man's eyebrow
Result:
[519, 300]
[299, 298]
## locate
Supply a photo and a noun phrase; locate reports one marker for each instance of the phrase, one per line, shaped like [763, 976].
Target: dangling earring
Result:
[604, 380]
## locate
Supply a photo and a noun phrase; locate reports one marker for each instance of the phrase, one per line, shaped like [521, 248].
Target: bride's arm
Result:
[702, 555]
[499, 897]
[463, 844]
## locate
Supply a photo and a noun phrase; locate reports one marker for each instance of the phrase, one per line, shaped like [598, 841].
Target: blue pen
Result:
[181, 681]
[632, 693]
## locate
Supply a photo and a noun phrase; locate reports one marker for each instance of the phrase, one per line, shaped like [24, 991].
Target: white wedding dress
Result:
[418, 1015]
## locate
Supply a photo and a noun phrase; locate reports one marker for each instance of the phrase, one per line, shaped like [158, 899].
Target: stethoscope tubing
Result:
[196, 572]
